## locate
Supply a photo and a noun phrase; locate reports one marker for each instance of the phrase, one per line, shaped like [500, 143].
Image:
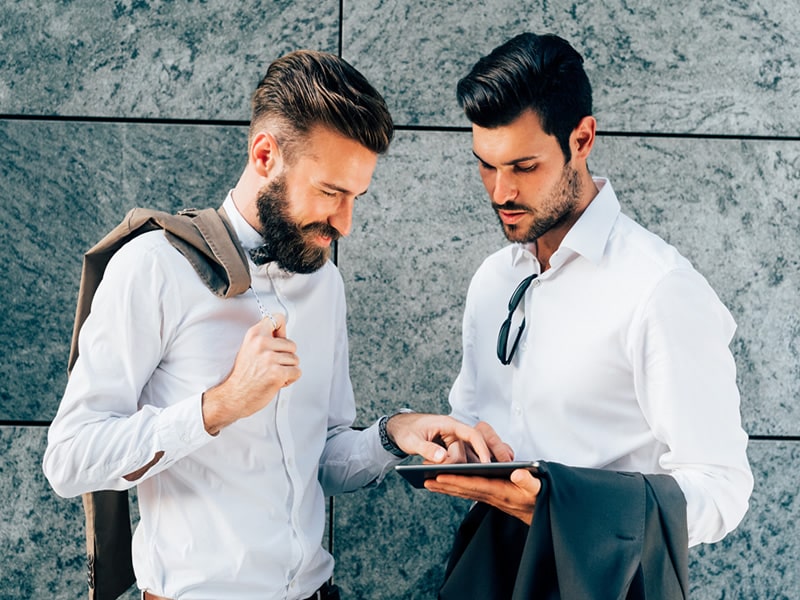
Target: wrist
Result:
[387, 441]
[213, 413]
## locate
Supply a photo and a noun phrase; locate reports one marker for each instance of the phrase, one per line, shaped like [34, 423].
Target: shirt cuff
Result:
[180, 428]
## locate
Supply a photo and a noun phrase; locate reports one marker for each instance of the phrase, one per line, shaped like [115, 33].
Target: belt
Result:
[325, 592]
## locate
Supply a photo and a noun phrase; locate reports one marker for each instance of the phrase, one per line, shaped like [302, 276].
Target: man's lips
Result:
[511, 217]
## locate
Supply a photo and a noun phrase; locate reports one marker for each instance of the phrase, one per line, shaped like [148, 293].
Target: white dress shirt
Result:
[624, 364]
[236, 516]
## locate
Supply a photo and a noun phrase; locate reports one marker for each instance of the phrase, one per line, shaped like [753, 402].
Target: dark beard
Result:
[561, 203]
[286, 243]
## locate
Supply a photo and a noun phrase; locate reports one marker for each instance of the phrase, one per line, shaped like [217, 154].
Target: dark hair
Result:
[539, 72]
[304, 89]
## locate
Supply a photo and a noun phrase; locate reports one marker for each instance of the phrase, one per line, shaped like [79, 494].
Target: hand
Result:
[265, 363]
[501, 451]
[437, 438]
[515, 496]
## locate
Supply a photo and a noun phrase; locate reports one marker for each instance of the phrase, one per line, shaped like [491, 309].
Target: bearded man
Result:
[589, 343]
[200, 400]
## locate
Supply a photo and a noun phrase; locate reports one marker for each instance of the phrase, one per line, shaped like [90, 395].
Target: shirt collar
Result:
[589, 234]
[248, 237]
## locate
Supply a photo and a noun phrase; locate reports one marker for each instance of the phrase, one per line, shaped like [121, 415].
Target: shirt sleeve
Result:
[101, 432]
[462, 394]
[351, 459]
[685, 380]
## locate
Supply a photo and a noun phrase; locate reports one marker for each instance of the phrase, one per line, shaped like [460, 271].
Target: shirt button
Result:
[537, 282]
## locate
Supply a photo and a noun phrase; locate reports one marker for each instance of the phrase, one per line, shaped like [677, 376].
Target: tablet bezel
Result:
[417, 474]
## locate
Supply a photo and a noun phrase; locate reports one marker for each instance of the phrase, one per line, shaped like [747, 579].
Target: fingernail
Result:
[440, 454]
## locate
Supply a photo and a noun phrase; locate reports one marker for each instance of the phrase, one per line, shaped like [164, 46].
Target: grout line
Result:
[431, 128]
[341, 28]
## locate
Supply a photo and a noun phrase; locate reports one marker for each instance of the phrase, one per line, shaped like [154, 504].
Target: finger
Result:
[476, 440]
[431, 452]
[275, 324]
[292, 375]
[499, 449]
[456, 452]
[525, 480]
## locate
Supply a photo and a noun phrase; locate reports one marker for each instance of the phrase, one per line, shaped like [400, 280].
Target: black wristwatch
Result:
[386, 441]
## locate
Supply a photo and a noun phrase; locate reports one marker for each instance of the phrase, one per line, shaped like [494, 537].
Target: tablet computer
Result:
[417, 474]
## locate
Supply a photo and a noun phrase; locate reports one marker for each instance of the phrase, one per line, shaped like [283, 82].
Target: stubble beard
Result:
[557, 208]
[289, 244]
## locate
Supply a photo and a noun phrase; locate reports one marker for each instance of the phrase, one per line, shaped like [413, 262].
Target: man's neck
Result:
[547, 244]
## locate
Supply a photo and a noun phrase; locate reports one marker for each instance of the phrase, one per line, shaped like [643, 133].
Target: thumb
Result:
[525, 480]
[277, 323]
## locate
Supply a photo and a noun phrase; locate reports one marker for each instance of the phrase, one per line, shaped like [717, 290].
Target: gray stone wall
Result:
[105, 106]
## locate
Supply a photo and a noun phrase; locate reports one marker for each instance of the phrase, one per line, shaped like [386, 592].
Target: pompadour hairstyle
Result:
[304, 89]
[538, 72]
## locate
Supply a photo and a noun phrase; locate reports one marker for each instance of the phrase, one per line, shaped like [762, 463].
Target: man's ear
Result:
[265, 154]
[582, 138]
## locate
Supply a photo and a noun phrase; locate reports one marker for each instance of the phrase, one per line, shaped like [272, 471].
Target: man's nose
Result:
[342, 219]
[505, 187]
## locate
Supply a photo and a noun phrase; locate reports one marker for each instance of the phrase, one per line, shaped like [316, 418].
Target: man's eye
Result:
[526, 169]
[328, 194]
[485, 166]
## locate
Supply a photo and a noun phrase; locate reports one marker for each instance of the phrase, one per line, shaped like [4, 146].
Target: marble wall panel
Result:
[42, 541]
[678, 66]
[392, 542]
[196, 60]
[64, 185]
[730, 206]
[418, 235]
[759, 559]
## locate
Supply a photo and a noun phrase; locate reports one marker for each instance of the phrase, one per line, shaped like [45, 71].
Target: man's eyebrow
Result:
[341, 190]
[516, 161]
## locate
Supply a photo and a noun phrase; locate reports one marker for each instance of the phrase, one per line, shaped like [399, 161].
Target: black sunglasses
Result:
[503, 353]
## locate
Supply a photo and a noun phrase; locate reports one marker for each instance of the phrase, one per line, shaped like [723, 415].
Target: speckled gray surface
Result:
[94, 174]
[690, 67]
[710, 67]
[144, 58]
[42, 543]
[729, 206]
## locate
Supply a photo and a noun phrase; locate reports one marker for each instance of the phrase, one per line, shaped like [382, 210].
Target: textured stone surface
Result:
[64, 185]
[417, 238]
[701, 67]
[729, 206]
[42, 540]
[759, 559]
[145, 58]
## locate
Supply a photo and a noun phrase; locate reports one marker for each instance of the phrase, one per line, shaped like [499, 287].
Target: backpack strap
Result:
[207, 239]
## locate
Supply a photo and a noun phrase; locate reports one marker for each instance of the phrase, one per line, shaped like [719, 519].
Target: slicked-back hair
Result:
[305, 89]
[538, 72]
